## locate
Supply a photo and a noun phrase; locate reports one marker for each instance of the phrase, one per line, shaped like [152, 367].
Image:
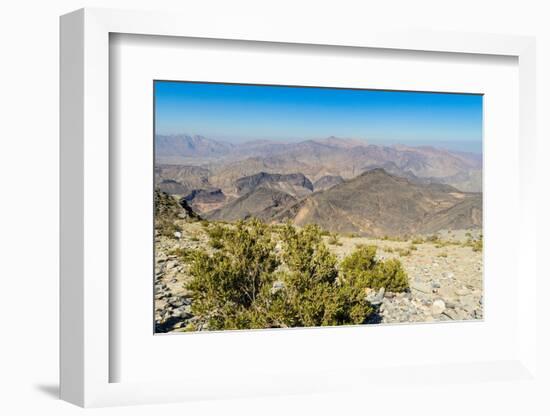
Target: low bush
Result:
[403, 252]
[434, 238]
[184, 254]
[262, 278]
[313, 295]
[234, 287]
[362, 259]
[216, 233]
[363, 269]
[167, 227]
[231, 288]
[476, 244]
[334, 240]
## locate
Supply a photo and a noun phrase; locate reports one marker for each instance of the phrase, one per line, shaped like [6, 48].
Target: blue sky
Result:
[240, 113]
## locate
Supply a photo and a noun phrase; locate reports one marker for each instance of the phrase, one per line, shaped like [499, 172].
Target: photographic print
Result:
[288, 206]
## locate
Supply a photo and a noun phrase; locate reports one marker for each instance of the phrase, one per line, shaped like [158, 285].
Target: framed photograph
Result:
[288, 211]
[275, 223]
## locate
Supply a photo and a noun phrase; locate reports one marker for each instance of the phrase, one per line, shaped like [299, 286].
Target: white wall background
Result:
[29, 195]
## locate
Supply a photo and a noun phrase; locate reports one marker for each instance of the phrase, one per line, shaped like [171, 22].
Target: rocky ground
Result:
[445, 278]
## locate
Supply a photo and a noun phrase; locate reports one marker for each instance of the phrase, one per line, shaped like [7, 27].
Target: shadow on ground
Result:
[51, 390]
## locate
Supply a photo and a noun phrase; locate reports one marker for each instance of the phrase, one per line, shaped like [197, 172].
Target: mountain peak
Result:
[340, 142]
[378, 171]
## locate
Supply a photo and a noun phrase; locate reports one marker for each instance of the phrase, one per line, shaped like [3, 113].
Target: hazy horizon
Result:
[460, 146]
[239, 113]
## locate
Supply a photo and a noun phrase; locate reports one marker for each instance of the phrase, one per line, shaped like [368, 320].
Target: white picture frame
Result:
[85, 206]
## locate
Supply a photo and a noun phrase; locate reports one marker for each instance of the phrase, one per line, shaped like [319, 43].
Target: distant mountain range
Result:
[227, 162]
[343, 185]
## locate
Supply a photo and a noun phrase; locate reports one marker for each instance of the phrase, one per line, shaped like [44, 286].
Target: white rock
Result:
[177, 234]
[438, 307]
[421, 287]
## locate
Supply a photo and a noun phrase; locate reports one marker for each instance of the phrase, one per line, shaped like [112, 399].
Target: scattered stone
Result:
[462, 292]
[277, 285]
[449, 304]
[438, 307]
[421, 287]
[171, 264]
[377, 298]
[182, 312]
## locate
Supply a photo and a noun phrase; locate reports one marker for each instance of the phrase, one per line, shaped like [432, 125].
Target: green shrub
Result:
[234, 287]
[304, 252]
[304, 303]
[313, 295]
[216, 233]
[231, 288]
[363, 258]
[404, 252]
[362, 269]
[334, 240]
[167, 227]
[395, 238]
[434, 238]
[475, 244]
[390, 275]
[184, 254]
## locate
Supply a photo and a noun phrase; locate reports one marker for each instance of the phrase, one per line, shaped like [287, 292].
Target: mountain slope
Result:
[172, 147]
[295, 184]
[168, 209]
[204, 200]
[326, 182]
[262, 203]
[181, 179]
[377, 203]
